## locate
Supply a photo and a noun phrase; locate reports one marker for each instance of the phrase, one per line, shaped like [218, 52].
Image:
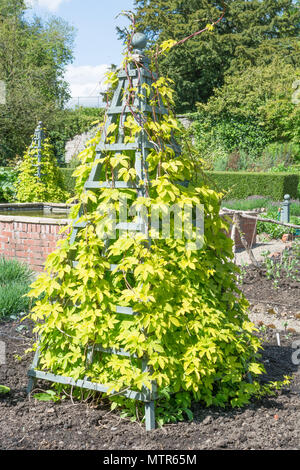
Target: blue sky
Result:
[96, 43]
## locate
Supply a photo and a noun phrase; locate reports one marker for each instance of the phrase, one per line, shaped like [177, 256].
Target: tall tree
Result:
[252, 32]
[33, 56]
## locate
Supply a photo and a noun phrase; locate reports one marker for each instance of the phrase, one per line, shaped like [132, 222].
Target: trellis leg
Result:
[32, 380]
[150, 415]
[149, 405]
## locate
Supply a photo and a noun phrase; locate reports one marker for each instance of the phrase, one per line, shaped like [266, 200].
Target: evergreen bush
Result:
[240, 185]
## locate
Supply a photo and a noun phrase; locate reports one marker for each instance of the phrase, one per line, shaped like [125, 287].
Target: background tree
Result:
[33, 57]
[251, 115]
[251, 33]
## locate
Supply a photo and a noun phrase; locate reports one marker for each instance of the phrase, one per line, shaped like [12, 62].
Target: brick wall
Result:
[248, 227]
[29, 239]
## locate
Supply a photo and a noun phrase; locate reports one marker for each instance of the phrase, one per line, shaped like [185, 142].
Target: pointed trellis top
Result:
[134, 75]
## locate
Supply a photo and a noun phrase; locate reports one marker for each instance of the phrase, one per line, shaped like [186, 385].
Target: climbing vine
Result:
[192, 323]
[47, 188]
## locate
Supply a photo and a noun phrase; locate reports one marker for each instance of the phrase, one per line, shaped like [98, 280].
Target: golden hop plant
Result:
[192, 323]
[48, 188]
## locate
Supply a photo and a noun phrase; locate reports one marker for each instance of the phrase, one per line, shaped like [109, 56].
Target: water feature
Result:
[36, 210]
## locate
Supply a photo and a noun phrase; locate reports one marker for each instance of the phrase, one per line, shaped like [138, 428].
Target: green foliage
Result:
[287, 265]
[68, 180]
[12, 270]
[241, 185]
[276, 231]
[48, 188]
[170, 408]
[48, 395]
[4, 390]
[15, 279]
[192, 323]
[67, 123]
[33, 57]
[259, 202]
[282, 155]
[251, 33]
[248, 204]
[12, 300]
[261, 94]
[251, 122]
[288, 169]
[228, 142]
[8, 178]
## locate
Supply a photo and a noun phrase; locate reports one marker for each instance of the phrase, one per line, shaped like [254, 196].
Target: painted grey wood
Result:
[34, 364]
[113, 267]
[130, 226]
[125, 310]
[80, 225]
[120, 147]
[109, 184]
[150, 415]
[117, 352]
[86, 384]
[120, 109]
[131, 73]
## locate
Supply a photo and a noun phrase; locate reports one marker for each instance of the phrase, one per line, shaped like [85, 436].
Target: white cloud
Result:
[51, 5]
[86, 80]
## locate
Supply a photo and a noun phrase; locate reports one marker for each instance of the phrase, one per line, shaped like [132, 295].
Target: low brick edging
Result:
[30, 239]
[248, 227]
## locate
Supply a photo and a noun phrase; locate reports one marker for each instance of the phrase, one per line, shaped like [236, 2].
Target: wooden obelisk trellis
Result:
[38, 141]
[117, 113]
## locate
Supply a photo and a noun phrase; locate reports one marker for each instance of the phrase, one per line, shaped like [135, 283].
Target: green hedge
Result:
[240, 185]
[68, 180]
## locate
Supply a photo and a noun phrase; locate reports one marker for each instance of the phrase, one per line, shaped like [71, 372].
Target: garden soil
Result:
[270, 423]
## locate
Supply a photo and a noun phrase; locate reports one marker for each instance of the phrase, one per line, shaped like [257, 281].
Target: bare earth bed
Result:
[271, 423]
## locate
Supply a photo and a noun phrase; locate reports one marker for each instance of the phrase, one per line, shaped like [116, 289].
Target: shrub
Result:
[256, 102]
[8, 178]
[68, 181]
[241, 185]
[15, 279]
[12, 300]
[276, 231]
[214, 135]
[47, 188]
[14, 271]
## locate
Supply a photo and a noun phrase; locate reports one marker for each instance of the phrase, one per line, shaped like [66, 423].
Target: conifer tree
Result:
[251, 33]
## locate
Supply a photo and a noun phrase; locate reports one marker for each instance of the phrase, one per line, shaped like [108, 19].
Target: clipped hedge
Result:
[240, 185]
